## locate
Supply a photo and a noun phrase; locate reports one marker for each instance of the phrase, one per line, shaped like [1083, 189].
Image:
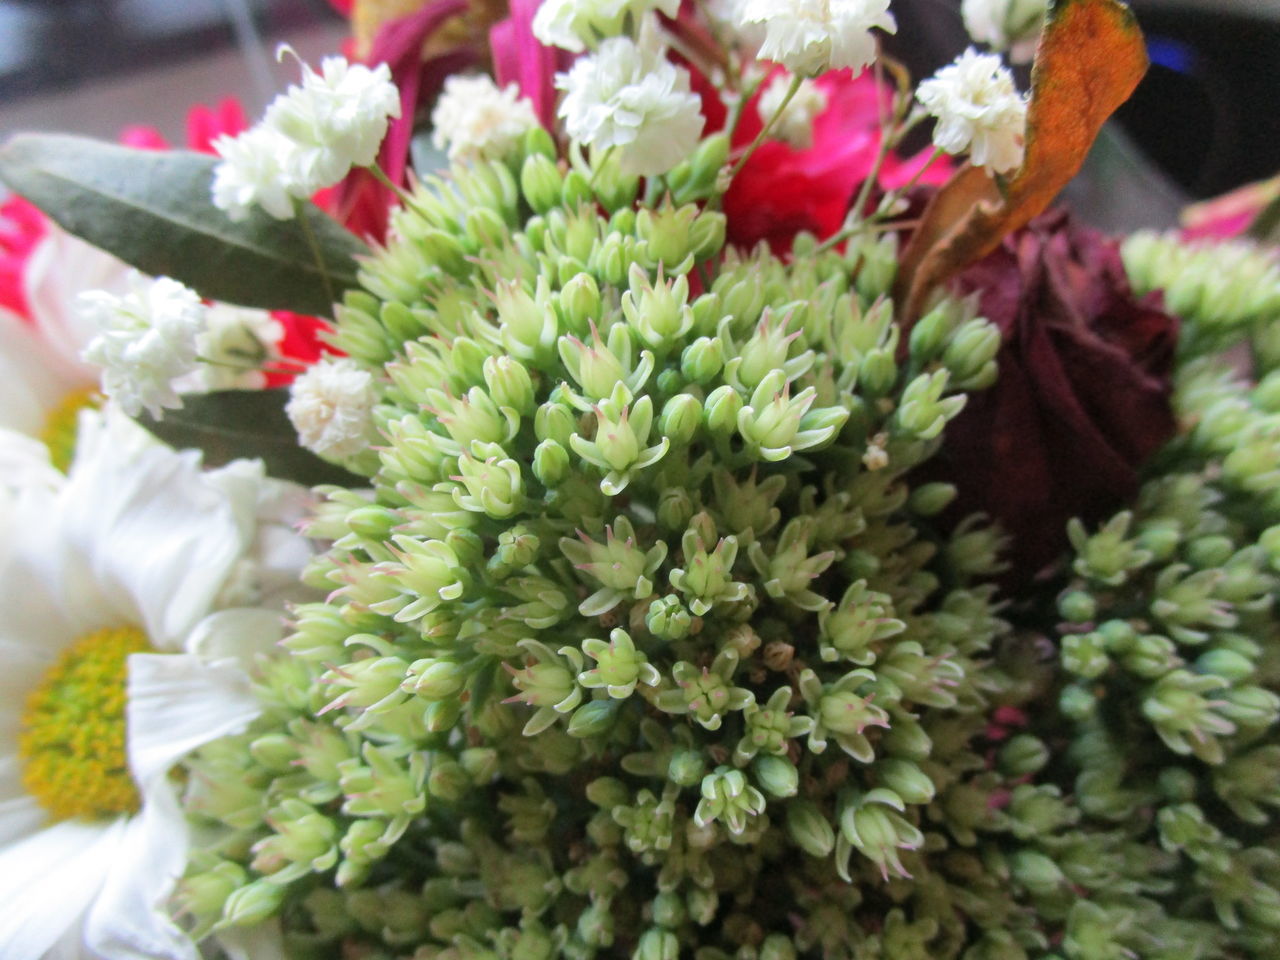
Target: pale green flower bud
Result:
[509, 384]
[658, 945]
[667, 235]
[729, 799]
[878, 265]
[1077, 606]
[1231, 666]
[493, 486]
[929, 335]
[667, 618]
[686, 768]
[1022, 755]
[668, 910]
[1085, 655]
[777, 946]
[659, 311]
[619, 665]
[1077, 703]
[702, 360]
[721, 410]
[580, 307]
[924, 412]
[303, 836]
[930, 499]
[776, 775]
[907, 780]
[681, 417]
[541, 182]
[577, 190]
[675, 508]
[1107, 556]
[878, 373]
[550, 463]
[594, 719]
[253, 904]
[435, 679]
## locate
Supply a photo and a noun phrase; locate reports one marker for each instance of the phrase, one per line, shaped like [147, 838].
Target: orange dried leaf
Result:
[1090, 58]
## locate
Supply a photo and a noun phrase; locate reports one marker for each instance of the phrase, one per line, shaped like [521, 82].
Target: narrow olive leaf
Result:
[1090, 58]
[152, 209]
[231, 424]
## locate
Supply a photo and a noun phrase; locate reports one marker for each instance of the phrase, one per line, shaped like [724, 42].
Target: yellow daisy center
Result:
[59, 433]
[72, 742]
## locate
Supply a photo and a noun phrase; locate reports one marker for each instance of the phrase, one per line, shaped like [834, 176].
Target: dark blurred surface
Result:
[47, 46]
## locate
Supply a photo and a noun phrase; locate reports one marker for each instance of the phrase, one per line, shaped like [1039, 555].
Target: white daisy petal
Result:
[32, 381]
[48, 879]
[20, 815]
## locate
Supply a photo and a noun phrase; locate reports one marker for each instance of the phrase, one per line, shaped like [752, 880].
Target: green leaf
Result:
[229, 424]
[152, 209]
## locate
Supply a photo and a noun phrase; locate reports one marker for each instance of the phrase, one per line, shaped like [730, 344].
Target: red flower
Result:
[22, 226]
[781, 191]
[1082, 399]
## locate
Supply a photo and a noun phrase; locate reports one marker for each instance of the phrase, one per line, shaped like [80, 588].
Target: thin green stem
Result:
[300, 214]
[380, 175]
[764, 131]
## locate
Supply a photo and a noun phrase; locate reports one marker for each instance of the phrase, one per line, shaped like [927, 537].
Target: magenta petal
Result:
[519, 58]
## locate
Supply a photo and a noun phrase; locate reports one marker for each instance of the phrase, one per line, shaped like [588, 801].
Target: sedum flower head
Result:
[475, 119]
[809, 37]
[979, 110]
[628, 95]
[330, 405]
[147, 338]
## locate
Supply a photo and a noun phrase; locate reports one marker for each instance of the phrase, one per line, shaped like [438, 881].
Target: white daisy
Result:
[118, 571]
[43, 381]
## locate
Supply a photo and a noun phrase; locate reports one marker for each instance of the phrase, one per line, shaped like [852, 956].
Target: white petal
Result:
[128, 920]
[32, 379]
[20, 815]
[47, 881]
[24, 460]
[156, 533]
[178, 702]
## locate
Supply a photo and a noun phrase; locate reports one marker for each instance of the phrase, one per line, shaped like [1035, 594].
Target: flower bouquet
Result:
[734, 533]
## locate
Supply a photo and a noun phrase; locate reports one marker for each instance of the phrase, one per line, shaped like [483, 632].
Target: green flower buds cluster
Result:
[1226, 290]
[645, 644]
[1172, 686]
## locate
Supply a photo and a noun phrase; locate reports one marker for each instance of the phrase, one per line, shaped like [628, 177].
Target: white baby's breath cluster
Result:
[233, 345]
[628, 95]
[1012, 25]
[578, 25]
[979, 110]
[331, 407]
[809, 37]
[147, 338]
[476, 120]
[795, 125]
[311, 136]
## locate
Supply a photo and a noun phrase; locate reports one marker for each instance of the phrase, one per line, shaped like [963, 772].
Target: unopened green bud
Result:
[777, 946]
[277, 752]
[878, 372]
[777, 776]
[811, 831]
[702, 360]
[931, 499]
[702, 905]
[1269, 541]
[1228, 664]
[550, 463]
[448, 781]
[707, 235]
[253, 904]
[668, 619]
[1077, 606]
[721, 409]
[1177, 785]
[907, 780]
[1022, 755]
[1160, 538]
[509, 384]
[435, 679]
[1077, 703]
[1085, 655]
[657, 945]
[879, 266]
[668, 910]
[594, 719]
[576, 191]
[373, 521]
[1035, 871]
[970, 354]
[441, 715]
[580, 303]
[667, 233]
[1210, 551]
[675, 508]
[680, 419]
[687, 767]
[929, 335]
[541, 182]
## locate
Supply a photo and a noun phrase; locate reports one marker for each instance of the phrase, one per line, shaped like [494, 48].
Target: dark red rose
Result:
[1083, 395]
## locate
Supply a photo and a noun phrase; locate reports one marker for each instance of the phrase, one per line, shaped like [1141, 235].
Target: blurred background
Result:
[1206, 118]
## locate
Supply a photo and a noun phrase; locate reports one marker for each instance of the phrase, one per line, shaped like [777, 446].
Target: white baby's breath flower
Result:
[254, 171]
[978, 109]
[331, 407]
[628, 95]
[233, 345]
[476, 120]
[1012, 25]
[578, 24]
[795, 126]
[146, 339]
[336, 119]
[812, 36]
